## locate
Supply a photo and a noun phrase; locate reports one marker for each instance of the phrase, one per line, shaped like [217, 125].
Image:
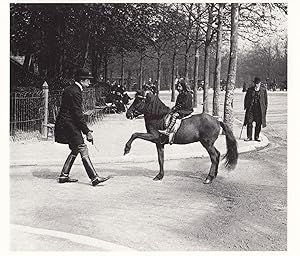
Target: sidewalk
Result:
[110, 136]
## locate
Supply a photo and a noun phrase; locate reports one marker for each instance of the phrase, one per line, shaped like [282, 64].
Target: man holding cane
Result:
[70, 125]
[255, 104]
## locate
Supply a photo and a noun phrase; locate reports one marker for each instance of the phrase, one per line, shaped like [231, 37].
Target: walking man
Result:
[70, 125]
[255, 104]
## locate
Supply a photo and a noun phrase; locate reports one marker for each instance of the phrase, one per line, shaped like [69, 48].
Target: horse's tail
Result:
[231, 144]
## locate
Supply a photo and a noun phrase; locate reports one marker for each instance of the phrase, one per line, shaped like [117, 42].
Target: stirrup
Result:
[165, 132]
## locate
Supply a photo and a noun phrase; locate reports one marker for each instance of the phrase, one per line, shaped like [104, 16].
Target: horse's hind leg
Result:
[160, 154]
[214, 155]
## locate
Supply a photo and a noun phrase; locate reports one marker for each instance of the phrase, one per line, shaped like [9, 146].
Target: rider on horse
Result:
[183, 106]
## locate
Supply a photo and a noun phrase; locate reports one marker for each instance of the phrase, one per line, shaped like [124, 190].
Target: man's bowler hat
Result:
[256, 80]
[83, 73]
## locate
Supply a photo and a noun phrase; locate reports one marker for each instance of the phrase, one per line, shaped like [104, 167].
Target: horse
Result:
[202, 128]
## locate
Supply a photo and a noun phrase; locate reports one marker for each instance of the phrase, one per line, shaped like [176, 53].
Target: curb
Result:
[143, 158]
[171, 153]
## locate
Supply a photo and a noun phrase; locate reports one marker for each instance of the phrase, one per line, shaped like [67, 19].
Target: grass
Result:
[25, 136]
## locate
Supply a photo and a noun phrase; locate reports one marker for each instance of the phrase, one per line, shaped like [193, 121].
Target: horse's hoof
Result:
[126, 151]
[208, 180]
[158, 177]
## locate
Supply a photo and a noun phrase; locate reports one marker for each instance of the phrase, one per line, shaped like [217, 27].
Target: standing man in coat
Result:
[255, 104]
[70, 125]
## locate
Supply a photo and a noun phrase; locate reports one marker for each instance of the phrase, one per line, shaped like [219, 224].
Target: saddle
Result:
[175, 127]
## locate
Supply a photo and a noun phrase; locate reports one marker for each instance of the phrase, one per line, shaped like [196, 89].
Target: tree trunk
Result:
[94, 63]
[216, 96]
[128, 84]
[61, 45]
[172, 78]
[207, 59]
[122, 68]
[27, 61]
[231, 77]
[185, 75]
[87, 47]
[158, 76]
[105, 65]
[141, 71]
[196, 73]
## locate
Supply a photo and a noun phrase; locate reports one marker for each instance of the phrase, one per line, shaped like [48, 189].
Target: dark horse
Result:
[200, 127]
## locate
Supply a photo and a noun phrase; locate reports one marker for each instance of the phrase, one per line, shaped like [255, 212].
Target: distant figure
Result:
[70, 125]
[244, 87]
[116, 95]
[255, 104]
[183, 106]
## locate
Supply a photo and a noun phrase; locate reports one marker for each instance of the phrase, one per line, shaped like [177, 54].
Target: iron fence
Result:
[27, 109]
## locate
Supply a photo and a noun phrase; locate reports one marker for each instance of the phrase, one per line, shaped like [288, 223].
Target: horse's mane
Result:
[155, 107]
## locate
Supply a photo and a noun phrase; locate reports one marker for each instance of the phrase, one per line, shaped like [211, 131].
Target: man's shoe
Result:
[165, 132]
[64, 179]
[248, 139]
[257, 139]
[98, 180]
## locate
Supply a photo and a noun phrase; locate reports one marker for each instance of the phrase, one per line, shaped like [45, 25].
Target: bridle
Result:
[134, 112]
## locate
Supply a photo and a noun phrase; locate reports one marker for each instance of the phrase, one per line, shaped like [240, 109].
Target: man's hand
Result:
[89, 137]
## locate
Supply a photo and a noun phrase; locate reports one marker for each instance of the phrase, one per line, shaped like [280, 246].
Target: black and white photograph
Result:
[148, 127]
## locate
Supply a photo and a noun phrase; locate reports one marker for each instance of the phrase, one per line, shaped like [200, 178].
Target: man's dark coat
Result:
[248, 101]
[70, 123]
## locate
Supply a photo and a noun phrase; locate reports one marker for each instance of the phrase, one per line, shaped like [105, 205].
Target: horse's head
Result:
[138, 106]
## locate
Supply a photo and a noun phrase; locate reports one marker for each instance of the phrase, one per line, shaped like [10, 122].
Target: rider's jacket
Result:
[184, 104]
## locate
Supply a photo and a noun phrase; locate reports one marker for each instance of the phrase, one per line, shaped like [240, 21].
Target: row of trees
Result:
[136, 42]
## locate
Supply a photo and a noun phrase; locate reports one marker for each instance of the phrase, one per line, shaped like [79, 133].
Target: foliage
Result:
[60, 37]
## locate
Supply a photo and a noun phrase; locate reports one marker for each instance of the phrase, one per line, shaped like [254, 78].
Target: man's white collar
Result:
[80, 86]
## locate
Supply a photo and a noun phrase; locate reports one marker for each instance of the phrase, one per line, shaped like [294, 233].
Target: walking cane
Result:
[95, 146]
[241, 131]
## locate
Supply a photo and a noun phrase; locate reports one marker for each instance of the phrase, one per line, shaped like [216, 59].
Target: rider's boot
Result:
[64, 175]
[170, 126]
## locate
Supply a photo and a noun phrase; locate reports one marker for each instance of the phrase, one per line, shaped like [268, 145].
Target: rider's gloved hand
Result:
[89, 137]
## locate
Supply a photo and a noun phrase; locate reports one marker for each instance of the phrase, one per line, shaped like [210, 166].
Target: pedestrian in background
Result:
[244, 86]
[255, 104]
[70, 125]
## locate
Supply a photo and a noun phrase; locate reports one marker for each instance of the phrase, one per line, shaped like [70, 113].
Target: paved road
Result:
[242, 210]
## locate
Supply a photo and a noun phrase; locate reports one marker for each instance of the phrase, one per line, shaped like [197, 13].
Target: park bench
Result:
[92, 115]
[106, 108]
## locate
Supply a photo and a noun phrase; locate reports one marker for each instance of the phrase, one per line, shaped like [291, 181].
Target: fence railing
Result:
[30, 110]
[26, 111]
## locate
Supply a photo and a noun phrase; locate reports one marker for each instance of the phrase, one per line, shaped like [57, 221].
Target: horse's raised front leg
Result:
[160, 154]
[144, 136]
